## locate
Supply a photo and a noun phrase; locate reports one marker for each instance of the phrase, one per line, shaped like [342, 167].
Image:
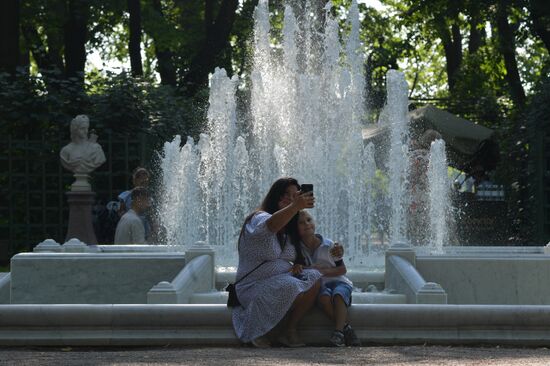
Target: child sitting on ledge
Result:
[322, 254]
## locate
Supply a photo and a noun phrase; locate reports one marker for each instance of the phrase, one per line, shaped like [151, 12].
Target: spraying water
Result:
[306, 109]
[439, 191]
[306, 122]
[396, 112]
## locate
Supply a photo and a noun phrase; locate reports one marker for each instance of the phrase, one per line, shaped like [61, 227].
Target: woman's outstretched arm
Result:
[279, 219]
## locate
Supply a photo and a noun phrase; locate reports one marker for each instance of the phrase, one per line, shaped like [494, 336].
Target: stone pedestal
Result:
[431, 293]
[80, 217]
[81, 183]
[402, 250]
[202, 248]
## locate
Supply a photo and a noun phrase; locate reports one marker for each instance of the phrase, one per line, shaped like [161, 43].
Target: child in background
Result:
[140, 178]
[320, 253]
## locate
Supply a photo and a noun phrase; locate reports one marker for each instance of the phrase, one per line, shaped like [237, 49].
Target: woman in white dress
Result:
[277, 286]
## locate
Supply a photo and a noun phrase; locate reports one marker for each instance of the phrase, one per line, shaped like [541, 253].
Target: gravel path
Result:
[244, 356]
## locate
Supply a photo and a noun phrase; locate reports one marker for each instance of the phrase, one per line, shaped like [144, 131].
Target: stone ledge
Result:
[378, 298]
[220, 297]
[360, 278]
[96, 325]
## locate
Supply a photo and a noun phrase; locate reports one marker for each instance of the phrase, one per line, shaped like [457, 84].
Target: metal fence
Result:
[540, 166]
[33, 205]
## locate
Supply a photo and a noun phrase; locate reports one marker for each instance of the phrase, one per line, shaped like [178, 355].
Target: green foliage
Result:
[241, 38]
[28, 107]
[385, 46]
[410, 35]
[117, 103]
[538, 113]
[479, 87]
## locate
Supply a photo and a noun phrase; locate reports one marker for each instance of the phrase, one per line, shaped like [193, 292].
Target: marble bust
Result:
[83, 154]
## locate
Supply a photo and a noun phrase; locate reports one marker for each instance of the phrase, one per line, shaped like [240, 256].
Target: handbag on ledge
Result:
[233, 300]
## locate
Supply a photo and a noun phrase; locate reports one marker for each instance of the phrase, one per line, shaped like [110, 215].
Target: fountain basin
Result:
[472, 275]
[195, 311]
[498, 278]
[89, 278]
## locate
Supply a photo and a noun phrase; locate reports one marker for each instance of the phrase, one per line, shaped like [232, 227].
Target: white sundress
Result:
[266, 294]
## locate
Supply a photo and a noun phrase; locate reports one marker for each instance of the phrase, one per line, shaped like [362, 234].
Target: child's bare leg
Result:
[340, 312]
[326, 305]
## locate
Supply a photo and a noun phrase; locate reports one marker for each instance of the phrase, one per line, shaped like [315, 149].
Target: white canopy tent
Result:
[465, 140]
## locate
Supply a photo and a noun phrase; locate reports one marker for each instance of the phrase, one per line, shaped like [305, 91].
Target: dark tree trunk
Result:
[9, 35]
[540, 15]
[36, 47]
[166, 67]
[165, 57]
[477, 35]
[50, 62]
[452, 43]
[76, 35]
[134, 45]
[47, 49]
[55, 36]
[24, 56]
[217, 38]
[507, 47]
[456, 47]
[208, 14]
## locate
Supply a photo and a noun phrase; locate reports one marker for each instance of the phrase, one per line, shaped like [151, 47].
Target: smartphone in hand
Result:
[306, 188]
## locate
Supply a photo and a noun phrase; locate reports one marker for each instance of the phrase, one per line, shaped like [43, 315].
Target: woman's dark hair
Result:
[292, 230]
[270, 204]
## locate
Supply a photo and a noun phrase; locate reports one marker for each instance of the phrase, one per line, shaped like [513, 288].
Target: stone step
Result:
[361, 279]
[220, 297]
[214, 297]
[149, 325]
[378, 298]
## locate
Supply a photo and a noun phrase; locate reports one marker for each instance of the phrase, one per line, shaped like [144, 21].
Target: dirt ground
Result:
[244, 356]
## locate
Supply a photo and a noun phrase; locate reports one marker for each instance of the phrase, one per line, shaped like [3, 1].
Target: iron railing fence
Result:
[33, 183]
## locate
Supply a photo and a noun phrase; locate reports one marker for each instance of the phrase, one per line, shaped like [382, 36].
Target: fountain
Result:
[440, 196]
[397, 114]
[306, 122]
[307, 109]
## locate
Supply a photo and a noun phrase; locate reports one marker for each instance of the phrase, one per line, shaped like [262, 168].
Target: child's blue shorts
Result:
[337, 288]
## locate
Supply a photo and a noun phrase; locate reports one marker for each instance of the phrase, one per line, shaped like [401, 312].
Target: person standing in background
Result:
[140, 178]
[130, 229]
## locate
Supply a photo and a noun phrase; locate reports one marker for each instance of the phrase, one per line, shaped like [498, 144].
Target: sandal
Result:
[337, 339]
[261, 342]
[292, 340]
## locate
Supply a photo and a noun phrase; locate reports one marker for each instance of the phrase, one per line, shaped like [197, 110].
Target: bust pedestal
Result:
[80, 217]
[81, 183]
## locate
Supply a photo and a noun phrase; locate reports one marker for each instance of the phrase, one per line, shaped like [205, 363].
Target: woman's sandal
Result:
[261, 342]
[292, 340]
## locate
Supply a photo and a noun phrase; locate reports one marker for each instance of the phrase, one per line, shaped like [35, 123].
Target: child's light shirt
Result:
[322, 257]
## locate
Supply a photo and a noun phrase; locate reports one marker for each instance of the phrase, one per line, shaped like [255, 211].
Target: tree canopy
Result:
[485, 60]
